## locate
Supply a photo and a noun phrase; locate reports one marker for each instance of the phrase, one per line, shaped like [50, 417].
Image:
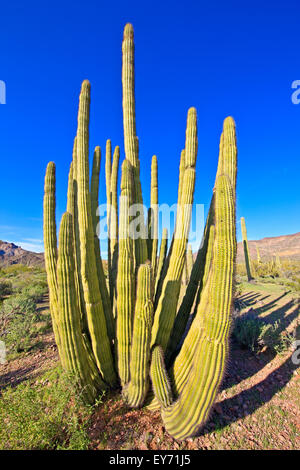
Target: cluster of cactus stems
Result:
[133, 330]
[246, 249]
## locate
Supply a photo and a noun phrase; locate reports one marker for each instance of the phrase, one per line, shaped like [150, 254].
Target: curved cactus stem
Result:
[94, 308]
[74, 353]
[200, 365]
[166, 309]
[125, 278]
[50, 243]
[160, 381]
[110, 323]
[137, 388]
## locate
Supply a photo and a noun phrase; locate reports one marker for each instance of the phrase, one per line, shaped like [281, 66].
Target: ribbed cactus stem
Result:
[140, 353]
[128, 95]
[189, 261]
[108, 201]
[162, 256]
[181, 174]
[200, 365]
[228, 151]
[74, 211]
[110, 324]
[94, 308]
[167, 305]
[70, 194]
[125, 277]
[246, 249]
[258, 255]
[75, 357]
[130, 138]
[160, 381]
[50, 243]
[154, 207]
[114, 222]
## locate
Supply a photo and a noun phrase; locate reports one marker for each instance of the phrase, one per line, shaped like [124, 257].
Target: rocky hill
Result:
[286, 246]
[13, 254]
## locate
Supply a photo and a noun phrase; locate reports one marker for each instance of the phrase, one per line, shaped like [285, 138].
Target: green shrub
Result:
[35, 291]
[5, 288]
[255, 333]
[18, 317]
[47, 414]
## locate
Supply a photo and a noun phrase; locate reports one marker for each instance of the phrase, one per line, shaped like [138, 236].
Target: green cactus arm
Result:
[160, 381]
[189, 260]
[200, 365]
[154, 206]
[131, 143]
[70, 194]
[125, 277]
[74, 354]
[181, 174]
[161, 258]
[258, 255]
[74, 211]
[227, 164]
[110, 323]
[50, 244]
[138, 386]
[166, 309]
[128, 95]
[149, 231]
[94, 308]
[246, 249]
[108, 201]
[114, 223]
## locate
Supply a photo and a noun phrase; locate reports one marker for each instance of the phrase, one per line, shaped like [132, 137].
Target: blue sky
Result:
[225, 58]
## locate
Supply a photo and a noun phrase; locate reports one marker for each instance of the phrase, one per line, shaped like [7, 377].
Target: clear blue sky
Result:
[225, 58]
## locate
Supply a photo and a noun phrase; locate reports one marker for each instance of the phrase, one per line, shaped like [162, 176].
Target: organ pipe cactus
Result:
[246, 249]
[130, 331]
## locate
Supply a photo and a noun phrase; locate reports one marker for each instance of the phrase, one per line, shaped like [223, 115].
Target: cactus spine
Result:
[246, 249]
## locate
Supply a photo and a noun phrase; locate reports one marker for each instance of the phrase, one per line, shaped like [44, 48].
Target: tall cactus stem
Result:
[140, 353]
[94, 308]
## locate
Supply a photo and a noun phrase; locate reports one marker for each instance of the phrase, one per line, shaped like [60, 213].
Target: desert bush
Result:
[18, 317]
[46, 414]
[35, 291]
[5, 288]
[255, 333]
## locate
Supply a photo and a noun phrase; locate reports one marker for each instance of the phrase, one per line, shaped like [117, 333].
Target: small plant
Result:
[255, 333]
[5, 289]
[46, 414]
[18, 317]
[35, 291]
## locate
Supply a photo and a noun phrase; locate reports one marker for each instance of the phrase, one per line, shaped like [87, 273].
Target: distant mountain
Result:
[286, 246]
[13, 254]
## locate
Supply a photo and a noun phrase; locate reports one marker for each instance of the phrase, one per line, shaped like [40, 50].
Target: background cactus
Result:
[246, 249]
[130, 329]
